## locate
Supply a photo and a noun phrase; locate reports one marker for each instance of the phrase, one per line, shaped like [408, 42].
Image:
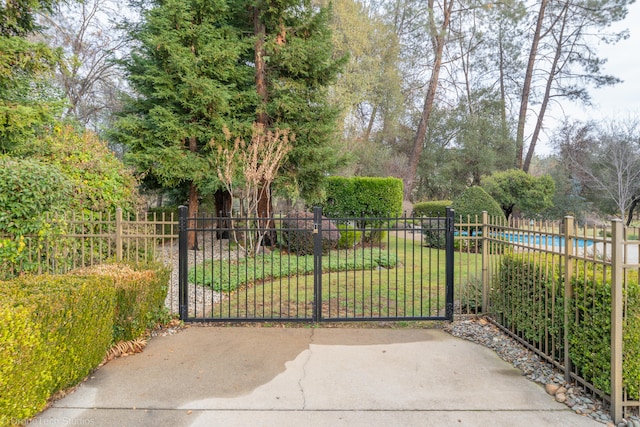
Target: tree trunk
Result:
[192, 241]
[438, 40]
[223, 204]
[526, 88]
[547, 94]
[259, 31]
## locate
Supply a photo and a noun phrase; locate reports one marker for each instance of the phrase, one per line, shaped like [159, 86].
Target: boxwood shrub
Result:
[435, 208]
[140, 291]
[53, 331]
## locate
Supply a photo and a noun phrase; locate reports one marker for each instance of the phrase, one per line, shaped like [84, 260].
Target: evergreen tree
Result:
[190, 85]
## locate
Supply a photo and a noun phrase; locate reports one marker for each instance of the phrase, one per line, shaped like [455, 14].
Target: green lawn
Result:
[401, 278]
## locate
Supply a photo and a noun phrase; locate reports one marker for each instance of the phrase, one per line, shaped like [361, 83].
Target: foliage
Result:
[516, 190]
[53, 331]
[298, 233]
[434, 208]
[528, 297]
[140, 292]
[433, 230]
[590, 333]
[362, 197]
[100, 182]
[524, 291]
[29, 191]
[27, 100]
[227, 277]
[349, 236]
[359, 198]
[473, 201]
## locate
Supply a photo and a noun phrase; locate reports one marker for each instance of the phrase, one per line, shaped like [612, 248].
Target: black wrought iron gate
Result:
[305, 267]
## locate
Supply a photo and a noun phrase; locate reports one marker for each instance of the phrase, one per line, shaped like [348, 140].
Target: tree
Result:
[605, 158]
[517, 191]
[439, 32]
[563, 59]
[27, 101]
[294, 68]
[90, 78]
[190, 83]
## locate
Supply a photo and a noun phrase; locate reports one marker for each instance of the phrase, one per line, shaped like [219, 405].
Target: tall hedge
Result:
[363, 197]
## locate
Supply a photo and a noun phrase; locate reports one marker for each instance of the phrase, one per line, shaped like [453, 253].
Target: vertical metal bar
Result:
[183, 294]
[568, 290]
[449, 265]
[617, 273]
[317, 263]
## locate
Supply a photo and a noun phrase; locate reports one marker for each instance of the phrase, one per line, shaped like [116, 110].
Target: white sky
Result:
[621, 100]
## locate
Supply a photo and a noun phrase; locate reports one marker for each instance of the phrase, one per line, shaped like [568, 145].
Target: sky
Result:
[621, 100]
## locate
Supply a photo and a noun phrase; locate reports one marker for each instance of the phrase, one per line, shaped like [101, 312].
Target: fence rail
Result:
[548, 284]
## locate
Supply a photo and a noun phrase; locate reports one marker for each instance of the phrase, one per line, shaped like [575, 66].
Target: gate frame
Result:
[183, 290]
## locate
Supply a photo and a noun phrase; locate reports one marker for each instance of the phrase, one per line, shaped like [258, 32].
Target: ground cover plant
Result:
[367, 282]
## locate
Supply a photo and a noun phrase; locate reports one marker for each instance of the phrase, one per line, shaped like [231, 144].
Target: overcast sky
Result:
[623, 61]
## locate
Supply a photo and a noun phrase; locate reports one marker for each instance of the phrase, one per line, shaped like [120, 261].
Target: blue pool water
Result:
[542, 239]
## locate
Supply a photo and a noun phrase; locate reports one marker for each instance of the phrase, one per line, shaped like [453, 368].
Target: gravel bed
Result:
[535, 369]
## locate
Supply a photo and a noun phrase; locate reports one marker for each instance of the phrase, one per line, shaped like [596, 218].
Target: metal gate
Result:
[305, 267]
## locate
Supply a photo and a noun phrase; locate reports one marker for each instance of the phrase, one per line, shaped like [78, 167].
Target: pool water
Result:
[542, 239]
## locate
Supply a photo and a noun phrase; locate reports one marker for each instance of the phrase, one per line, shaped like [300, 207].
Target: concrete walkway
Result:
[252, 376]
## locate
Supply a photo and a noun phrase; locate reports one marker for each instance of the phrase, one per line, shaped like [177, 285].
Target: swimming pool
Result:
[541, 239]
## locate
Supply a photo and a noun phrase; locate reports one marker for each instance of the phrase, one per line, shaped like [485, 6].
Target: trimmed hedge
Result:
[140, 294]
[435, 208]
[53, 331]
[363, 197]
[349, 236]
[522, 296]
[589, 337]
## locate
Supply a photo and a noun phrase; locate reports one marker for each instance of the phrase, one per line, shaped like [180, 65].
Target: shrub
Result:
[29, 190]
[363, 197]
[590, 333]
[349, 236]
[140, 292]
[297, 233]
[473, 201]
[524, 292]
[53, 331]
[435, 208]
[434, 232]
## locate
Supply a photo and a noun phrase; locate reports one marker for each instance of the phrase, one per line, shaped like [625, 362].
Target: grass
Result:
[401, 279]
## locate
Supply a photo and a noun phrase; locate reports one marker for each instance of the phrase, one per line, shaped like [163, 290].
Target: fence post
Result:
[617, 273]
[485, 261]
[449, 265]
[118, 234]
[183, 292]
[317, 263]
[568, 290]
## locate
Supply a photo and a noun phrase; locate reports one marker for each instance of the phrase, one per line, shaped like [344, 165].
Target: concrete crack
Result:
[304, 371]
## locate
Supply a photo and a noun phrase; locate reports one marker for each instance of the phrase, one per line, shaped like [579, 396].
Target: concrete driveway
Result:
[255, 376]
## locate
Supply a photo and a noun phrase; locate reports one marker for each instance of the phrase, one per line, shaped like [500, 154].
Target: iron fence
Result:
[304, 267]
[545, 283]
